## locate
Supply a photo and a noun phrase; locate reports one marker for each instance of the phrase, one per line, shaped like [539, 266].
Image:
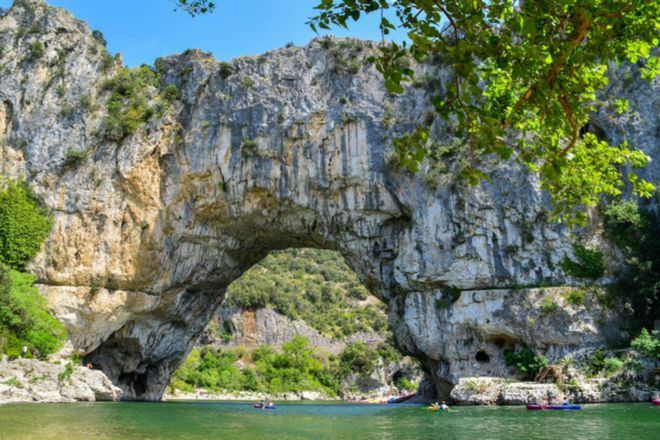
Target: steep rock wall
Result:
[167, 218]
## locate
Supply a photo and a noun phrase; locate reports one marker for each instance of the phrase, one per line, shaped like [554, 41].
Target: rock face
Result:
[254, 327]
[28, 380]
[287, 149]
[262, 326]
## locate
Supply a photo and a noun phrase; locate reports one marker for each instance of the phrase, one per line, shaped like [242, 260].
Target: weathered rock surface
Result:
[254, 327]
[167, 218]
[498, 391]
[29, 380]
[636, 381]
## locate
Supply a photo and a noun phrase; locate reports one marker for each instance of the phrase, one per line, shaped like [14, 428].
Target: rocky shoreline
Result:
[499, 391]
[33, 381]
[252, 396]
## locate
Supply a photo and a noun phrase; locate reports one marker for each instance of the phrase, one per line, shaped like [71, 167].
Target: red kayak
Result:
[260, 406]
[553, 407]
[655, 401]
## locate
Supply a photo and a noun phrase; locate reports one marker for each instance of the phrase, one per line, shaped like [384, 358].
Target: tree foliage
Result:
[296, 367]
[24, 320]
[313, 285]
[195, 7]
[637, 233]
[525, 362]
[24, 225]
[648, 343]
[525, 79]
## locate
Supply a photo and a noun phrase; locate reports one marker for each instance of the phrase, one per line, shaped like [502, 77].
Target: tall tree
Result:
[526, 76]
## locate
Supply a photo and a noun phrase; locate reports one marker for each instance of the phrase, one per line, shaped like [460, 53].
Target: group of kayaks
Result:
[565, 406]
[264, 406]
[568, 406]
[553, 407]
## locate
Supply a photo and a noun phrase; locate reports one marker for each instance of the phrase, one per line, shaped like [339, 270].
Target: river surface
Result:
[318, 421]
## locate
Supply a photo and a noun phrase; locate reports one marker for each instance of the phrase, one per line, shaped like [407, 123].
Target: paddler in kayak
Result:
[444, 407]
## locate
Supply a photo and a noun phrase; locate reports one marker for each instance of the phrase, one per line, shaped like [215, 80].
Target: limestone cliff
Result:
[286, 149]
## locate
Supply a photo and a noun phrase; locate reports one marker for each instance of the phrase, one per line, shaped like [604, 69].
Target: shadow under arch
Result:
[141, 356]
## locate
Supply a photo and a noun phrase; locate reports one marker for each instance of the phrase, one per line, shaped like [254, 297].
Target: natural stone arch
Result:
[287, 151]
[334, 207]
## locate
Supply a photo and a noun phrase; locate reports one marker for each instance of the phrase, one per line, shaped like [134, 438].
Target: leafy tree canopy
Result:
[525, 79]
[24, 224]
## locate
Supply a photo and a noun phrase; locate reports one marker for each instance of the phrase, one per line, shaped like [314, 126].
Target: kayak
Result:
[557, 407]
[655, 401]
[260, 406]
[430, 408]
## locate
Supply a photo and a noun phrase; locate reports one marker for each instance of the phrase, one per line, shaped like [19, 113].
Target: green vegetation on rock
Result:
[648, 343]
[313, 285]
[24, 225]
[525, 362]
[36, 50]
[575, 297]
[24, 320]
[296, 367]
[589, 263]
[134, 99]
[637, 233]
[599, 363]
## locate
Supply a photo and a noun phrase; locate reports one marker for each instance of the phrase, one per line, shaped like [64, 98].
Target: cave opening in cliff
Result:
[298, 324]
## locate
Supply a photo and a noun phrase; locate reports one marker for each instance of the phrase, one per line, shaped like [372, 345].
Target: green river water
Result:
[238, 421]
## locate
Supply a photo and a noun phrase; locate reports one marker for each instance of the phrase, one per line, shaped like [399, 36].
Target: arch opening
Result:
[302, 308]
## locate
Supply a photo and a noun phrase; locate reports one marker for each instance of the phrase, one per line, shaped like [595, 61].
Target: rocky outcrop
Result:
[29, 380]
[254, 327]
[287, 149]
[498, 391]
[636, 380]
[478, 329]
[264, 326]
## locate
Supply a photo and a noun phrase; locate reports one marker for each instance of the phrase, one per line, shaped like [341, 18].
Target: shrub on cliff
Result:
[589, 263]
[24, 320]
[637, 233]
[525, 362]
[133, 101]
[24, 225]
[648, 343]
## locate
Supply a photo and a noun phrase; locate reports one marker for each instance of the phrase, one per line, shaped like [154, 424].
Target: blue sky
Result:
[143, 30]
